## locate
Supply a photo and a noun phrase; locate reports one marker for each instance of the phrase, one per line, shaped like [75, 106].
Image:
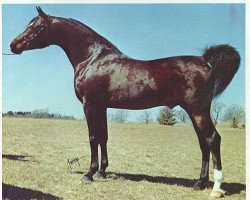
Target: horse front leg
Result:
[97, 123]
[103, 144]
[104, 159]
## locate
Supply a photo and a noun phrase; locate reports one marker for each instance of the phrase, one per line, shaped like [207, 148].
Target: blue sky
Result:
[43, 78]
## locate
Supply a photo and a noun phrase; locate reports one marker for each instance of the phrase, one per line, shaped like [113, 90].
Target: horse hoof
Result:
[101, 174]
[86, 179]
[199, 186]
[217, 194]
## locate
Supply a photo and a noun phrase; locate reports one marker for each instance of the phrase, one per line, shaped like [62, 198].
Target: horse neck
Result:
[78, 40]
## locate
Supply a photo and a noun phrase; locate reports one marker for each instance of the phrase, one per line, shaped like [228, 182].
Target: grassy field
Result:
[145, 161]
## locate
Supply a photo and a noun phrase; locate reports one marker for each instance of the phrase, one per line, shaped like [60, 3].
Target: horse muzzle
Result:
[17, 46]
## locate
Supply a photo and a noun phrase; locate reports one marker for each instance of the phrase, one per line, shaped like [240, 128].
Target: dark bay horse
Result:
[106, 78]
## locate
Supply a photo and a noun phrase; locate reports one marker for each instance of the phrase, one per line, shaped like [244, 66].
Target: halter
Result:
[46, 27]
[28, 40]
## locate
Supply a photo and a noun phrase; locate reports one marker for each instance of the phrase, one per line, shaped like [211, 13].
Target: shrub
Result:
[166, 117]
[234, 123]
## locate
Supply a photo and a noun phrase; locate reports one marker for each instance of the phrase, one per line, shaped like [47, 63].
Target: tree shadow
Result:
[231, 188]
[13, 192]
[17, 157]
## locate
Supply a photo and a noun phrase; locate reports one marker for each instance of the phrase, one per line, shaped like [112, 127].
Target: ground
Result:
[145, 161]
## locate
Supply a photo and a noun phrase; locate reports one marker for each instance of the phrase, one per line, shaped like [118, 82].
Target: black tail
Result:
[225, 61]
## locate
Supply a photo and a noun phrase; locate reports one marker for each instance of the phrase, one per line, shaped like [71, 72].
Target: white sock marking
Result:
[218, 181]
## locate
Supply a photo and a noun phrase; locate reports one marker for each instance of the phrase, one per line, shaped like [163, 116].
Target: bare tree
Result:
[182, 116]
[234, 113]
[145, 117]
[216, 110]
[120, 116]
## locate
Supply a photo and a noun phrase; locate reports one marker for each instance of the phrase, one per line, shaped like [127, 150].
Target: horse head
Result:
[35, 36]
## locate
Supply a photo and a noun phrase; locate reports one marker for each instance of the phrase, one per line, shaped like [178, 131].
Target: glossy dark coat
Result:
[106, 78]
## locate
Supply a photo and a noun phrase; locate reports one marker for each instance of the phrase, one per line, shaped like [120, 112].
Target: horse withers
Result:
[104, 78]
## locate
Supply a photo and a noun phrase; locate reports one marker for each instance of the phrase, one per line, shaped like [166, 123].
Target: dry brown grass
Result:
[145, 161]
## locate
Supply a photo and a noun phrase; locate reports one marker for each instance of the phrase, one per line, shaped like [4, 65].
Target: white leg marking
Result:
[217, 179]
[217, 191]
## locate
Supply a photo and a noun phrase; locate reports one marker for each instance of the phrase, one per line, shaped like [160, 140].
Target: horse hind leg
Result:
[209, 140]
[205, 150]
[204, 174]
[214, 142]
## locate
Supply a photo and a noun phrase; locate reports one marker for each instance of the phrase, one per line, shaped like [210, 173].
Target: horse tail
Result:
[225, 61]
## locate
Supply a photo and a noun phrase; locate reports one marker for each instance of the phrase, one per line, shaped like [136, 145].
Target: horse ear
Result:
[41, 13]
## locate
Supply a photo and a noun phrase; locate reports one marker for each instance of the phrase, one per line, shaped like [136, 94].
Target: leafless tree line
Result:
[37, 113]
[219, 112]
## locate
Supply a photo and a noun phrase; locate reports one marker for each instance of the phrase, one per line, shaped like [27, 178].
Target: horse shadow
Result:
[231, 188]
[13, 192]
[18, 157]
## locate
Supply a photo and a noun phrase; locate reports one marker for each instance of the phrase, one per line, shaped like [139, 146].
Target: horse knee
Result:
[93, 140]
